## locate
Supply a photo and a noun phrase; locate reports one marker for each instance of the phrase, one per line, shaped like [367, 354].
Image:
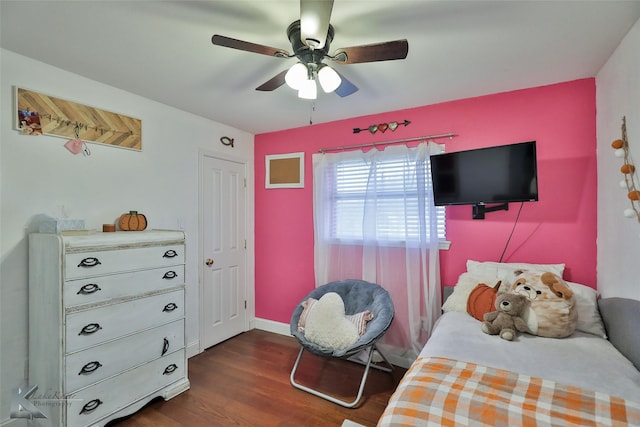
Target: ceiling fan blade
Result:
[386, 51]
[273, 83]
[249, 47]
[346, 88]
[314, 22]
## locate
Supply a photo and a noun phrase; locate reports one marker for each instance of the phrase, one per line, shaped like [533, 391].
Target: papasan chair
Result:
[358, 296]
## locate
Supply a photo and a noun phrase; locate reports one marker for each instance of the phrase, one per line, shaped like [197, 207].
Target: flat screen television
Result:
[502, 174]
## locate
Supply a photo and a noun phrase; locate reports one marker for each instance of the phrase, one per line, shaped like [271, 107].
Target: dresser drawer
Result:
[97, 363]
[93, 403]
[90, 327]
[102, 288]
[96, 263]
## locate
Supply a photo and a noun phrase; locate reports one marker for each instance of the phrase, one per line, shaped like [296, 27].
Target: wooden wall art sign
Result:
[37, 113]
[285, 170]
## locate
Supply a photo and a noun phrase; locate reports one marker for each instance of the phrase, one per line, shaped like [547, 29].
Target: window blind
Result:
[393, 186]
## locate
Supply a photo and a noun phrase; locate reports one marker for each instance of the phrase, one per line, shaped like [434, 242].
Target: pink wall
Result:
[560, 228]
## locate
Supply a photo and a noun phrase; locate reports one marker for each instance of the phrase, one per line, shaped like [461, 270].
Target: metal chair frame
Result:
[372, 349]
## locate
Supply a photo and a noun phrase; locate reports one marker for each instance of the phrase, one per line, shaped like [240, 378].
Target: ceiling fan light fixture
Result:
[310, 38]
[329, 79]
[296, 76]
[308, 90]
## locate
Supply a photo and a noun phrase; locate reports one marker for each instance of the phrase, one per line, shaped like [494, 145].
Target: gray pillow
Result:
[621, 317]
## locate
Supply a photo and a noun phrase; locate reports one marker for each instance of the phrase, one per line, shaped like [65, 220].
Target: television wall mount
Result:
[479, 209]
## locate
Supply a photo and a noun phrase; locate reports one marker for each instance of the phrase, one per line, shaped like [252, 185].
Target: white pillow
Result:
[467, 281]
[359, 320]
[506, 271]
[589, 319]
[327, 326]
[490, 273]
[586, 298]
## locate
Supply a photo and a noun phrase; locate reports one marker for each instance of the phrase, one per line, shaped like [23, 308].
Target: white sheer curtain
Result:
[375, 220]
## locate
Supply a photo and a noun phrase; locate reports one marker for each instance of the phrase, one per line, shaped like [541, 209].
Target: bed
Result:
[466, 377]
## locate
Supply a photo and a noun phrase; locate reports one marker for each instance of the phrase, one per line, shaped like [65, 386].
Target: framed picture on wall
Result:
[285, 170]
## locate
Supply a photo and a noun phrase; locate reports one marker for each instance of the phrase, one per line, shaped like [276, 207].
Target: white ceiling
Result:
[162, 50]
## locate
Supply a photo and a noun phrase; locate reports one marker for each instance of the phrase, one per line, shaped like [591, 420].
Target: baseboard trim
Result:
[398, 361]
[284, 329]
[193, 348]
[272, 326]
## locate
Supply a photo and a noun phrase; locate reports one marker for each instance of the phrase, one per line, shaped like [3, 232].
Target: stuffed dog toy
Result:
[551, 311]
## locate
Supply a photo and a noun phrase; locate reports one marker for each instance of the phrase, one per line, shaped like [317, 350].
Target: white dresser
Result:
[106, 323]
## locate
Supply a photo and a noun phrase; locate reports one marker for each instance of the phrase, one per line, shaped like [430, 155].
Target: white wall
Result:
[38, 176]
[618, 95]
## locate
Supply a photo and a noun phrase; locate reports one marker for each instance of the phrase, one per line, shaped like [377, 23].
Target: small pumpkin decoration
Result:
[618, 143]
[482, 299]
[132, 221]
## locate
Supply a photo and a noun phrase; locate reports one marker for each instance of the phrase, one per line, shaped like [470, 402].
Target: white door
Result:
[223, 286]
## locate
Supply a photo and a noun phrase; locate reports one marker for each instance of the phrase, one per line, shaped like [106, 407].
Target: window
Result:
[391, 187]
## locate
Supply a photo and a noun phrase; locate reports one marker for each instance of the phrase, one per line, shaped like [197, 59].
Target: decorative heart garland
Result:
[382, 127]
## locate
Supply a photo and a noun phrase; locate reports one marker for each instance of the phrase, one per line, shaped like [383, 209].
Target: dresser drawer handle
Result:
[170, 275]
[165, 347]
[89, 262]
[90, 367]
[170, 307]
[89, 288]
[170, 254]
[91, 406]
[91, 328]
[170, 369]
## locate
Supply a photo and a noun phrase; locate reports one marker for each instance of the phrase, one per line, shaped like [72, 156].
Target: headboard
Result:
[621, 318]
[447, 291]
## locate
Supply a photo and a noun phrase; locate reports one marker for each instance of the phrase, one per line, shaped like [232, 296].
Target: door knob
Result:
[209, 262]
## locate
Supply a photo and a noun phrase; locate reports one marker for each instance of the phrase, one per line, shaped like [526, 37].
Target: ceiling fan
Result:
[310, 38]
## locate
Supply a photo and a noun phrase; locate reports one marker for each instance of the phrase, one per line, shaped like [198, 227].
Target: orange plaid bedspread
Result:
[437, 391]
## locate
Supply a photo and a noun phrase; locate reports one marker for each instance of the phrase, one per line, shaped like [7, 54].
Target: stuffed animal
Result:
[551, 311]
[506, 319]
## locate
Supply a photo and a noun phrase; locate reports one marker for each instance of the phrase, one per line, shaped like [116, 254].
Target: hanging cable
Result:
[512, 230]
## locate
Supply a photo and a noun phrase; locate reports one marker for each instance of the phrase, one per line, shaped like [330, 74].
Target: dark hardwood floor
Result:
[245, 382]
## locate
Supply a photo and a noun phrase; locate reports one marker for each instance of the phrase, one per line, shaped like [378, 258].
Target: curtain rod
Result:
[395, 141]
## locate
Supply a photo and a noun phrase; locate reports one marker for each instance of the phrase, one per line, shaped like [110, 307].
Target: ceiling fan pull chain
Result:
[313, 108]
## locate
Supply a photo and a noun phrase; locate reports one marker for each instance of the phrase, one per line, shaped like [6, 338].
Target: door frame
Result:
[249, 290]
